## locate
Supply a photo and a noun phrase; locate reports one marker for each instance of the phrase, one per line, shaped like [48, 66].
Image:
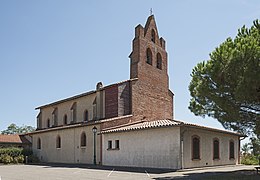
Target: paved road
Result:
[69, 172]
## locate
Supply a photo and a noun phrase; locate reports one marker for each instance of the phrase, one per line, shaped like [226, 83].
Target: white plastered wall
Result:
[155, 148]
[206, 148]
[70, 151]
[83, 103]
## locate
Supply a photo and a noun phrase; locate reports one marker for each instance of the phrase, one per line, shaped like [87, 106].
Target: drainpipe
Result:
[182, 158]
[182, 149]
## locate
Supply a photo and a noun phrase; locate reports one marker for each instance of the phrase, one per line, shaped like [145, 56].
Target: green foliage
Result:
[14, 155]
[246, 148]
[249, 159]
[14, 129]
[255, 146]
[12, 151]
[6, 159]
[19, 159]
[227, 87]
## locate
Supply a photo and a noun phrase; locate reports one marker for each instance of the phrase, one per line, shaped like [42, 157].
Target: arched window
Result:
[153, 36]
[73, 113]
[215, 149]
[159, 61]
[231, 149]
[55, 116]
[65, 119]
[86, 115]
[195, 147]
[39, 144]
[83, 140]
[58, 142]
[48, 123]
[149, 57]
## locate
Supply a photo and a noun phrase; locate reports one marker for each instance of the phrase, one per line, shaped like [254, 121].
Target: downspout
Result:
[74, 149]
[182, 148]
[100, 162]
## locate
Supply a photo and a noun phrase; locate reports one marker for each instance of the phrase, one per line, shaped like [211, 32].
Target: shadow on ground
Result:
[235, 175]
[108, 168]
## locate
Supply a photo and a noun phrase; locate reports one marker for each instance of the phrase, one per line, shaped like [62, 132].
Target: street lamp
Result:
[94, 130]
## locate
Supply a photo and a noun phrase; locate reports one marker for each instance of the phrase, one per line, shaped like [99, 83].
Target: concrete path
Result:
[70, 172]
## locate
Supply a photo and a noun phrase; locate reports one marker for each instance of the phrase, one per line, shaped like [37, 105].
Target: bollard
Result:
[26, 159]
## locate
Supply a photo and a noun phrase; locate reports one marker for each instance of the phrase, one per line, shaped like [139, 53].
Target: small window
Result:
[149, 57]
[48, 123]
[39, 144]
[86, 115]
[58, 142]
[73, 113]
[65, 119]
[117, 144]
[153, 36]
[83, 140]
[94, 105]
[159, 61]
[109, 145]
[55, 117]
[195, 148]
[231, 150]
[216, 149]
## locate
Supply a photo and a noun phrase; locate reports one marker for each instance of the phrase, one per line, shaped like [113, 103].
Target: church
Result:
[131, 123]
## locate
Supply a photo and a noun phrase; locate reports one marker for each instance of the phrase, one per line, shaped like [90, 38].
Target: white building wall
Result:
[155, 148]
[83, 103]
[70, 151]
[206, 148]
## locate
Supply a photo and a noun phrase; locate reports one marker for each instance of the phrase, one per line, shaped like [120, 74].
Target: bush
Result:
[249, 159]
[18, 159]
[13, 155]
[6, 159]
[11, 151]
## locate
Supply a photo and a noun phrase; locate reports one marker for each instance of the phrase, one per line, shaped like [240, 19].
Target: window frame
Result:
[218, 149]
[153, 36]
[109, 145]
[149, 54]
[117, 144]
[233, 152]
[83, 140]
[193, 150]
[39, 144]
[159, 61]
[86, 116]
[58, 142]
[65, 119]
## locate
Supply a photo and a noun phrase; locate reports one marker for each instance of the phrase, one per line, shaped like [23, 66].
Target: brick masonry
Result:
[149, 97]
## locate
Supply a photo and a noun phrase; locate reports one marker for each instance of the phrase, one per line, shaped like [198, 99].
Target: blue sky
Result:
[50, 50]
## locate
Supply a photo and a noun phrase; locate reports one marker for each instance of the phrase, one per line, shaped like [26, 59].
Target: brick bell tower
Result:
[151, 97]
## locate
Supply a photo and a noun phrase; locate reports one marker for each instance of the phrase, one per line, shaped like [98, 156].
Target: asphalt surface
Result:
[72, 172]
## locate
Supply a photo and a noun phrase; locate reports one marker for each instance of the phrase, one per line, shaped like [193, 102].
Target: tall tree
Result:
[227, 86]
[255, 146]
[14, 129]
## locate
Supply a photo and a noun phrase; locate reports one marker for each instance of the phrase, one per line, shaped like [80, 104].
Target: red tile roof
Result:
[164, 123]
[143, 125]
[13, 138]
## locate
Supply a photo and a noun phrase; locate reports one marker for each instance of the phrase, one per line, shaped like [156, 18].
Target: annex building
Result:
[131, 123]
